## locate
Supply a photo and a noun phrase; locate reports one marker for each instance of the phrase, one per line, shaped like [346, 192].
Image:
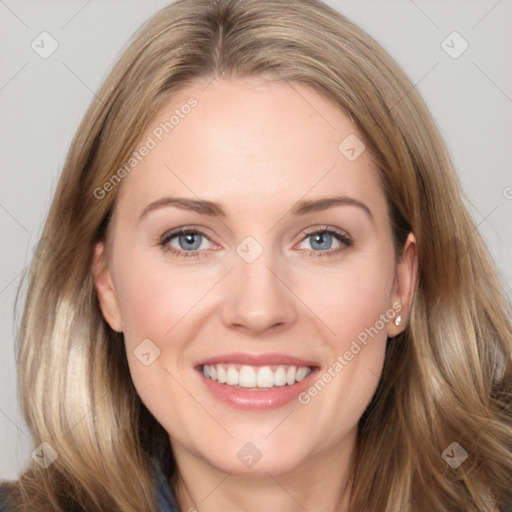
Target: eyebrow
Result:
[214, 209]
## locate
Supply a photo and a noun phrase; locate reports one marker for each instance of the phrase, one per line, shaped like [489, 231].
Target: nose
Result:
[257, 297]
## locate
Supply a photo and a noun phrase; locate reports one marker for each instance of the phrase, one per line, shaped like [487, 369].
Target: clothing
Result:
[165, 496]
[166, 501]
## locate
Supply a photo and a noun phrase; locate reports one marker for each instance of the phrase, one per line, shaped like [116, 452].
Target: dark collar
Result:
[165, 495]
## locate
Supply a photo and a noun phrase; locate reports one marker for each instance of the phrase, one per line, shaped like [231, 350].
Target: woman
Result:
[260, 369]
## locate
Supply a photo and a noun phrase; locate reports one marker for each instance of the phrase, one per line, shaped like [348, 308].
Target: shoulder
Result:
[165, 496]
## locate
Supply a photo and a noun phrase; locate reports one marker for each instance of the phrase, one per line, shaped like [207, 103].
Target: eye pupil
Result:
[189, 237]
[319, 238]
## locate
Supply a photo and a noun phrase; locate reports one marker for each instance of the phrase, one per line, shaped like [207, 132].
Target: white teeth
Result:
[290, 375]
[232, 376]
[252, 376]
[247, 377]
[221, 374]
[265, 377]
[301, 374]
[280, 377]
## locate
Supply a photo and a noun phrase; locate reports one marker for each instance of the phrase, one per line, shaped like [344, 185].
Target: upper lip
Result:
[257, 360]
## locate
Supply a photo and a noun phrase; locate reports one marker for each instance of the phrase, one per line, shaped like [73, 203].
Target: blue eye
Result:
[190, 241]
[188, 238]
[322, 239]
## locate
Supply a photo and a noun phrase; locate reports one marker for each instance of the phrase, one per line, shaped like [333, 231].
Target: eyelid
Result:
[164, 240]
[325, 228]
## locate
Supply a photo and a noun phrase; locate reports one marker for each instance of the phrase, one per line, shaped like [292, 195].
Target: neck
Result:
[320, 484]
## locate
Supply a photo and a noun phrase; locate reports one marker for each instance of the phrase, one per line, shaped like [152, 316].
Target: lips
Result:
[256, 381]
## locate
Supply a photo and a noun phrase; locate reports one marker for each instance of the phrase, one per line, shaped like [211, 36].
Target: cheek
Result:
[152, 298]
[354, 307]
[350, 299]
[160, 303]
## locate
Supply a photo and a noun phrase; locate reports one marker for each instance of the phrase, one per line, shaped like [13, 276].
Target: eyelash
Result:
[338, 234]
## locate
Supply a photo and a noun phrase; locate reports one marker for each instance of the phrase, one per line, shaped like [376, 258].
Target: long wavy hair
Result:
[447, 378]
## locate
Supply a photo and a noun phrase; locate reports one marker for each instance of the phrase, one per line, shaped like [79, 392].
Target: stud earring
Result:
[398, 320]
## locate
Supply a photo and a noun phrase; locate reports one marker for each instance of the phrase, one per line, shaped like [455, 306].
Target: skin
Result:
[257, 147]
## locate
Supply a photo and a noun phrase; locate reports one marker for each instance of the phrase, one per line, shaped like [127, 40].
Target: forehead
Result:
[250, 141]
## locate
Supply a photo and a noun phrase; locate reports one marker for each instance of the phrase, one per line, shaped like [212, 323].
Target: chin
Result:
[256, 458]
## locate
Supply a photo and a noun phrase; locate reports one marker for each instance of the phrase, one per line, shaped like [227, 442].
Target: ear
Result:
[404, 285]
[105, 290]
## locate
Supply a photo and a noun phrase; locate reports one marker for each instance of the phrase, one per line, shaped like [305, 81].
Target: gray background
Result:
[43, 100]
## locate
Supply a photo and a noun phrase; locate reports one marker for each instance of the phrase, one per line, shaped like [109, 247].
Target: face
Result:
[255, 313]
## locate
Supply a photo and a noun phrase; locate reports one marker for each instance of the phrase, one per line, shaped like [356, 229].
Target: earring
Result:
[398, 320]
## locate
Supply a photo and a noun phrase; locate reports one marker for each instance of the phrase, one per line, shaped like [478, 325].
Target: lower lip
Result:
[257, 400]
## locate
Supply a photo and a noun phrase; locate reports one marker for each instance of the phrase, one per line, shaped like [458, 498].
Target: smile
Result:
[256, 382]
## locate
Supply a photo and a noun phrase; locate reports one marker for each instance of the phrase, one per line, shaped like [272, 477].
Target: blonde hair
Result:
[447, 377]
